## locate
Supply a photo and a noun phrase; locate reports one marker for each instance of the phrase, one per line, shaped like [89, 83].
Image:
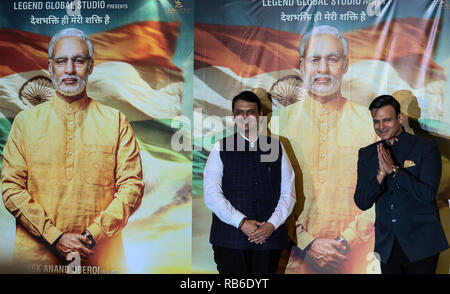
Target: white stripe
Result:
[116, 84]
[215, 86]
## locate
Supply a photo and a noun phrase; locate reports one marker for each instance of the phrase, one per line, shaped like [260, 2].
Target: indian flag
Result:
[133, 70]
[385, 58]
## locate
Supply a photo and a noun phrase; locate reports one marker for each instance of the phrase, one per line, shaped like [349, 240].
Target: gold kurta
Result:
[325, 140]
[68, 168]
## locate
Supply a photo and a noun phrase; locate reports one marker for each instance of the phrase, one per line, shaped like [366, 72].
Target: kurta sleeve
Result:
[16, 198]
[129, 186]
[287, 199]
[367, 191]
[303, 237]
[361, 229]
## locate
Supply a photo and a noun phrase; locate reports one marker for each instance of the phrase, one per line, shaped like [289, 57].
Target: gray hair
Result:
[324, 30]
[70, 32]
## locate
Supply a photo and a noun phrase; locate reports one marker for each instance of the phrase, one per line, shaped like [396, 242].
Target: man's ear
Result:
[91, 66]
[347, 61]
[400, 118]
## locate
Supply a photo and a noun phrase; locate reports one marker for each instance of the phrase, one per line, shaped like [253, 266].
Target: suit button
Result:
[394, 220]
[391, 206]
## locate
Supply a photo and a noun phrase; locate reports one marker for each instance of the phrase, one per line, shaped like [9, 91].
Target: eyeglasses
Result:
[78, 61]
[331, 60]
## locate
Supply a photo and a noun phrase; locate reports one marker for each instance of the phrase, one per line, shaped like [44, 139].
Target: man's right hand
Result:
[70, 242]
[323, 255]
[249, 226]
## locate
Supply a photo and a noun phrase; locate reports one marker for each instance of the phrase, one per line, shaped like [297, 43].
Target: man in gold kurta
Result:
[325, 131]
[71, 172]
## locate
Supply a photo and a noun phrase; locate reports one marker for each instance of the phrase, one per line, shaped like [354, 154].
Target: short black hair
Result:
[384, 100]
[248, 96]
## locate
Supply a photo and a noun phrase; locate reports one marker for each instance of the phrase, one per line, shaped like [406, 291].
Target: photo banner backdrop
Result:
[395, 47]
[162, 62]
[142, 67]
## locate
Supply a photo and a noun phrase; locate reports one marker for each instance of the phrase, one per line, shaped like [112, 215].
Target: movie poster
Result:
[173, 66]
[142, 67]
[395, 47]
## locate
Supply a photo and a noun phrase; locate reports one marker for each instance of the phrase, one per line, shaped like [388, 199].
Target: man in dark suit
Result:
[249, 185]
[401, 175]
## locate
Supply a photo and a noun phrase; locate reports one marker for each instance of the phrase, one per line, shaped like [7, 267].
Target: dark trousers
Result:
[234, 261]
[399, 263]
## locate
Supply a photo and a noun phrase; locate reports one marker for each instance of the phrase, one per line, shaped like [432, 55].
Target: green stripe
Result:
[154, 136]
[198, 165]
[5, 127]
[437, 126]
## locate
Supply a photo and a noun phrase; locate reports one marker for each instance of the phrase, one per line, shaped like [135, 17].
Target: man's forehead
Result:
[71, 46]
[242, 104]
[385, 111]
[323, 44]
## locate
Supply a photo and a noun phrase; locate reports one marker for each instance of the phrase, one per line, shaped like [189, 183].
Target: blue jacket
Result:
[405, 202]
[253, 188]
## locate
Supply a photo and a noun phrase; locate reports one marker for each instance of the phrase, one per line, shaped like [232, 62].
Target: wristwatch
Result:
[344, 242]
[91, 238]
[395, 170]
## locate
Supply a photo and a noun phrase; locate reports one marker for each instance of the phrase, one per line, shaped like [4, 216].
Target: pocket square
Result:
[408, 163]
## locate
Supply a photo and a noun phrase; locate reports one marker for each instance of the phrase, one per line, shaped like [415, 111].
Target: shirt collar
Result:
[70, 107]
[252, 143]
[329, 106]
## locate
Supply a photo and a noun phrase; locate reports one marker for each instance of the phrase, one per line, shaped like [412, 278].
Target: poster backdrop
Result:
[160, 61]
[143, 67]
[395, 47]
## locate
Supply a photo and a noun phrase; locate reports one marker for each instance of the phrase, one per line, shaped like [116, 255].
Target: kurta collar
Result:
[327, 107]
[70, 107]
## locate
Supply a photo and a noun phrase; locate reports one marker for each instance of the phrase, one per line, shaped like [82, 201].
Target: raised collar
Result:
[70, 107]
[400, 137]
[325, 108]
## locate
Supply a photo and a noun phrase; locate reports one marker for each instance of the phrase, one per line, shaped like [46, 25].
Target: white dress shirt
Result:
[222, 208]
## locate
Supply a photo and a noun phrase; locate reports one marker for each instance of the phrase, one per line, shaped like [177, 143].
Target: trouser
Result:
[399, 263]
[235, 261]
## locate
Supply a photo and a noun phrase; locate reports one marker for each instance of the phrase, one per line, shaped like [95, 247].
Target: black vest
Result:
[253, 187]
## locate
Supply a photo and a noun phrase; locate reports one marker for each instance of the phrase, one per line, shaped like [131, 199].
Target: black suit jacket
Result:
[405, 202]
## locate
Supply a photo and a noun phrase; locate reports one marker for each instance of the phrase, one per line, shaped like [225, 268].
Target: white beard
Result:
[69, 90]
[322, 90]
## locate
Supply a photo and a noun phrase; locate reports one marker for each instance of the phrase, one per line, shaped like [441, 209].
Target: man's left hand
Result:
[262, 233]
[385, 159]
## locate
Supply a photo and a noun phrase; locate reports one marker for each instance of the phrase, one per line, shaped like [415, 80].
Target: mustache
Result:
[319, 75]
[75, 77]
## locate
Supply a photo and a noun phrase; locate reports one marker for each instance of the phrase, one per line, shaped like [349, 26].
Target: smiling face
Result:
[386, 123]
[246, 117]
[70, 67]
[323, 66]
